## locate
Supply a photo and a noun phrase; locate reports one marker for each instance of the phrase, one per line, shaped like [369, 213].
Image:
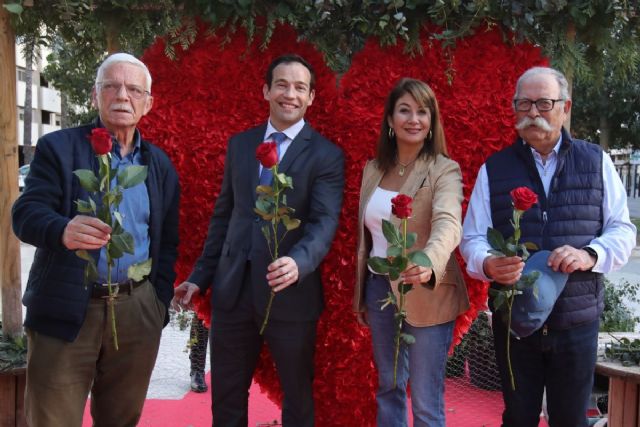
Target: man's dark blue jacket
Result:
[56, 296]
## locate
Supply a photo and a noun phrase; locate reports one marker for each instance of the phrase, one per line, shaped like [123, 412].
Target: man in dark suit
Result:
[236, 261]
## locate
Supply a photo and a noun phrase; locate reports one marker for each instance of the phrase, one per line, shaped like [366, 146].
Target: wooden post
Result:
[9, 245]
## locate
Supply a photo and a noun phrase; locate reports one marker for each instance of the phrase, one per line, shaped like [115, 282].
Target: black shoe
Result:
[197, 382]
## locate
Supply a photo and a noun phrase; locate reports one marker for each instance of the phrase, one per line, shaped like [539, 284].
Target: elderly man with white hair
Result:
[581, 217]
[71, 352]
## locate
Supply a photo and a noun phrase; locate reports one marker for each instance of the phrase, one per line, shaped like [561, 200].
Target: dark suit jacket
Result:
[56, 296]
[317, 169]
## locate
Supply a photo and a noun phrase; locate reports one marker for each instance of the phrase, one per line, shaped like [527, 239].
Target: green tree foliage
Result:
[595, 41]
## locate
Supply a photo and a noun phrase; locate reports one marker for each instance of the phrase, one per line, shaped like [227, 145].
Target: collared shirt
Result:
[290, 132]
[135, 212]
[613, 247]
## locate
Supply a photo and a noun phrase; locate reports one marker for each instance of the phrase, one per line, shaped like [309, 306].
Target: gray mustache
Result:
[538, 122]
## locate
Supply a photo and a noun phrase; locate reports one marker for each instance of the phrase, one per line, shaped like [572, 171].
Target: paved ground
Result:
[170, 379]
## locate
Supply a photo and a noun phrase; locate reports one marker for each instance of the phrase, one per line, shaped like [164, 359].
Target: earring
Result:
[392, 133]
[430, 135]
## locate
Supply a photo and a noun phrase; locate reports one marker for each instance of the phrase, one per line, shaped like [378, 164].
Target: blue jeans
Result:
[562, 361]
[424, 362]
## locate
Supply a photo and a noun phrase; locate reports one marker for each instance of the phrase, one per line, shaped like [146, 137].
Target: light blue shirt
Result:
[135, 212]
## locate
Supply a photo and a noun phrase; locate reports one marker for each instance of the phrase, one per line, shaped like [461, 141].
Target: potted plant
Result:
[13, 361]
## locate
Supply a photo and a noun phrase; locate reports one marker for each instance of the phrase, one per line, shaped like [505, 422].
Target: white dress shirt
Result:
[613, 247]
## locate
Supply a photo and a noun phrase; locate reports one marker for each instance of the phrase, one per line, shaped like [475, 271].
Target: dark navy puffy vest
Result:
[570, 215]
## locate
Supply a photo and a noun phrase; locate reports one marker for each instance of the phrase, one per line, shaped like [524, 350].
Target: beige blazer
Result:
[436, 187]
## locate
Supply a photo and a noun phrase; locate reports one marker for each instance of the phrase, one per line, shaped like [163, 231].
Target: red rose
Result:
[523, 198]
[267, 154]
[100, 141]
[401, 206]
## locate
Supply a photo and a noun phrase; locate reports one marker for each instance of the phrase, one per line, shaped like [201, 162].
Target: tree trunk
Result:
[605, 131]
[571, 39]
[64, 111]
[28, 50]
[9, 245]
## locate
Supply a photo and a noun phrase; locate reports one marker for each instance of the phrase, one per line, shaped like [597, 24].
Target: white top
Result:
[613, 247]
[291, 133]
[378, 208]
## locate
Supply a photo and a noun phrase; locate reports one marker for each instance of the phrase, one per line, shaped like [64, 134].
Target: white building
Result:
[45, 99]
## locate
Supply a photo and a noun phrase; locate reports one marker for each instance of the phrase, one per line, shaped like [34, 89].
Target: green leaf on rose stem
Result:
[420, 258]
[104, 184]
[83, 254]
[90, 272]
[531, 246]
[290, 223]
[524, 252]
[285, 210]
[266, 232]
[83, 206]
[495, 239]
[495, 252]
[119, 219]
[87, 179]
[113, 250]
[103, 214]
[281, 178]
[264, 189]
[264, 204]
[93, 205]
[394, 251]
[122, 242]
[411, 240]
[391, 233]
[378, 264]
[132, 175]
[499, 299]
[140, 270]
[400, 263]
[394, 273]
[264, 215]
[404, 288]
[390, 299]
[511, 249]
[289, 182]
[407, 338]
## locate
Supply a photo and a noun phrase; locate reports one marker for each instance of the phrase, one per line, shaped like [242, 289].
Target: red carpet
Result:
[466, 406]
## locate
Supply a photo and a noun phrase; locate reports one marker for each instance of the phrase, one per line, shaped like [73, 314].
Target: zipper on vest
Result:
[544, 218]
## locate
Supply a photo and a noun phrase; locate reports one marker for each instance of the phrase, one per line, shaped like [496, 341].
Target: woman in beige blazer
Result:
[412, 159]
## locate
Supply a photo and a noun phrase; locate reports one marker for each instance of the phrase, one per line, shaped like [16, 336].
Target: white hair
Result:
[536, 71]
[117, 58]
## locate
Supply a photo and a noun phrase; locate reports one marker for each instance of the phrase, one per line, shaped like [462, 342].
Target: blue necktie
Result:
[266, 177]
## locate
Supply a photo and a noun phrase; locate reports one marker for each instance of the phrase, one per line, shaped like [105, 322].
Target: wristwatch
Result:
[591, 251]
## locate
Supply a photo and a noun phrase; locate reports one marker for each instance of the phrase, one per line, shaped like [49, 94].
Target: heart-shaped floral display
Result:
[214, 89]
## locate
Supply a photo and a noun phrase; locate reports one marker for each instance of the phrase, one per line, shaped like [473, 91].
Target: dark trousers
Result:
[235, 347]
[199, 338]
[562, 361]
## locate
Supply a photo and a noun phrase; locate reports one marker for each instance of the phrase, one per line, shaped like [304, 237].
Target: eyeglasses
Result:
[542, 104]
[113, 88]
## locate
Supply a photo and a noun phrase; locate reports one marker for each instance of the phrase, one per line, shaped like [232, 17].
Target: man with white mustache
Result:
[581, 217]
[71, 350]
